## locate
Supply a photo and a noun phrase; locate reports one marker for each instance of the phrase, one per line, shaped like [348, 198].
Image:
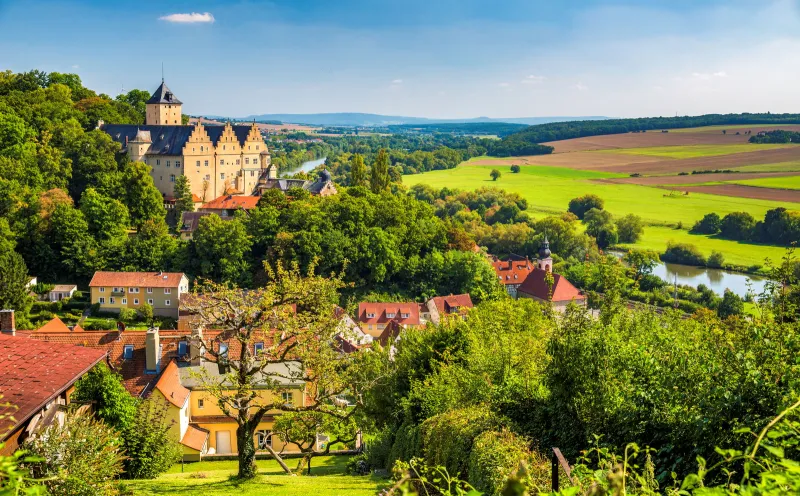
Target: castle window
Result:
[221, 162]
[206, 163]
[222, 175]
[158, 162]
[167, 163]
[192, 148]
[208, 177]
[172, 178]
[223, 147]
[238, 161]
[252, 173]
[177, 163]
[247, 161]
[256, 147]
[198, 163]
[201, 148]
[255, 161]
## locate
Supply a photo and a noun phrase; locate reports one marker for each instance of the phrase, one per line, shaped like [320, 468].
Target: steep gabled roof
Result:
[169, 384]
[164, 95]
[563, 290]
[381, 313]
[32, 373]
[453, 303]
[512, 271]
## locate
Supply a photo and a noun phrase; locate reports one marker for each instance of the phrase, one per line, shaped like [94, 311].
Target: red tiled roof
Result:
[169, 384]
[55, 325]
[563, 290]
[512, 271]
[195, 438]
[381, 312]
[222, 419]
[229, 202]
[390, 332]
[140, 279]
[452, 303]
[32, 373]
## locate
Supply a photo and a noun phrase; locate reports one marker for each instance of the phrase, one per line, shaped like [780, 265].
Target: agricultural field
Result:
[791, 182]
[694, 151]
[214, 478]
[548, 190]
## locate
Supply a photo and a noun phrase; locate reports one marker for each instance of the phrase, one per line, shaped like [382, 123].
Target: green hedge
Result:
[494, 457]
[406, 445]
[447, 438]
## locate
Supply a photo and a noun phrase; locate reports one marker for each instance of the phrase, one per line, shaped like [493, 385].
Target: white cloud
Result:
[532, 79]
[704, 76]
[194, 17]
[720, 74]
[76, 66]
[580, 86]
[397, 81]
[503, 85]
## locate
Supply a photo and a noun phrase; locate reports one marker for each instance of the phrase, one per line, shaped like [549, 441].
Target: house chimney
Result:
[7, 324]
[152, 351]
[196, 346]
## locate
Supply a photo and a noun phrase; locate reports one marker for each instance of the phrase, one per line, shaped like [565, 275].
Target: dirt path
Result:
[741, 191]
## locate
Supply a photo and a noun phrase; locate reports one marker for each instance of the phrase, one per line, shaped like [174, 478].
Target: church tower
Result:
[163, 108]
[545, 261]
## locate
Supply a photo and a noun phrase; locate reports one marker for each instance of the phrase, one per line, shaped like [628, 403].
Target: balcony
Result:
[118, 293]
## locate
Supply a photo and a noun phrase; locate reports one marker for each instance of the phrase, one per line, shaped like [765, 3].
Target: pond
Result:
[306, 166]
[717, 280]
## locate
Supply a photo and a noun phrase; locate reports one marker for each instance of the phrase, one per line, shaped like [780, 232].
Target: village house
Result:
[166, 365]
[113, 291]
[59, 292]
[36, 379]
[524, 279]
[374, 317]
[189, 223]
[227, 205]
[439, 308]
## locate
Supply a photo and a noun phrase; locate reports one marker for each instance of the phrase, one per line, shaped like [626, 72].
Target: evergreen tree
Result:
[379, 175]
[13, 282]
[358, 171]
[183, 197]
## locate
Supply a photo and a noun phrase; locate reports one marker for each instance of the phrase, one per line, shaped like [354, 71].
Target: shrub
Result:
[738, 226]
[150, 447]
[127, 315]
[630, 228]
[80, 457]
[683, 253]
[495, 174]
[447, 438]
[146, 312]
[649, 282]
[709, 224]
[716, 260]
[494, 457]
[731, 304]
[112, 402]
[579, 206]
[515, 169]
[378, 451]
[406, 445]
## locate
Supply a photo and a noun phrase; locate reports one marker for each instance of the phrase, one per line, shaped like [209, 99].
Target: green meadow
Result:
[778, 167]
[549, 189]
[694, 151]
[790, 182]
[214, 478]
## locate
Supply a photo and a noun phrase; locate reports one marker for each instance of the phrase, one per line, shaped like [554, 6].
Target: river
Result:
[717, 280]
[307, 166]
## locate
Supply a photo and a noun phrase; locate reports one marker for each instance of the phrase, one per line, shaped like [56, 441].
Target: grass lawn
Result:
[694, 151]
[212, 478]
[790, 182]
[549, 190]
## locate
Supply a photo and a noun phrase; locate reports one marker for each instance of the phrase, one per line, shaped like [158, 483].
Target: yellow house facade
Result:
[113, 291]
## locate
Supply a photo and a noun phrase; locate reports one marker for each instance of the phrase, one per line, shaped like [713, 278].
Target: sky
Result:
[424, 58]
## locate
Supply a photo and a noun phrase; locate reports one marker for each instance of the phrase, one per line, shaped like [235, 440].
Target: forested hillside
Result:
[517, 143]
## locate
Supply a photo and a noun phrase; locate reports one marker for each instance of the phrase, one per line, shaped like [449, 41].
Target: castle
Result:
[218, 160]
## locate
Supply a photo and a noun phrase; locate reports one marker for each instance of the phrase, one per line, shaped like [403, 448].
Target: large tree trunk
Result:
[247, 451]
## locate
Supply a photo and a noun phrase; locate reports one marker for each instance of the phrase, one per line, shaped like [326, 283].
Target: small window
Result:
[252, 173]
[222, 175]
[167, 163]
[405, 315]
[208, 177]
[166, 303]
[130, 290]
[182, 348]
[255, 161]
[102, 290]
[256, 147]
[167, 290]
[198, 163]
[205, 162]
[201, 148]
[111, 300]
[200, 403]
[221, 162]
[238, 161]
[263, 440]
[177, 163]
[370, 315]
[150, 301]
[223, 349]
[124, 301]
[136, 301]
[158, 162]
[149, 290]
[102, 300]
[127, 352]
[258, 348]
[172, 178]
[287, 397]
[390, 315]
[247, 161]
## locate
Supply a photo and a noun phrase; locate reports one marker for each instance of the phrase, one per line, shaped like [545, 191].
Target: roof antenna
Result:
[162, 72]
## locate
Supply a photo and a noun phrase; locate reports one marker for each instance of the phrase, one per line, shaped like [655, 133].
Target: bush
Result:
[447, 438]
[127, 315]
[112, 402]
[738, 226]
[515, 169]
[649, 282]
[716, 260]
[730, 305]
[146, 312]
[378, 451]
[630, 228]
[150, 447]
[495, 174]
[494, 457]
[709, 224]
[82, 457]
[683, 253]
[406, 445]
[579, 206]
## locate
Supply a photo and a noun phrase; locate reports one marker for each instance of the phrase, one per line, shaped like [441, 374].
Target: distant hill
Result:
[356, 119]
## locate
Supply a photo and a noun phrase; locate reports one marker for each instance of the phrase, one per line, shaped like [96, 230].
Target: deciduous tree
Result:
[379, 175]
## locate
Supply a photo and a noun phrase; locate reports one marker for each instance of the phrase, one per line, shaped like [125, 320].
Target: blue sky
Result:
[432, 58]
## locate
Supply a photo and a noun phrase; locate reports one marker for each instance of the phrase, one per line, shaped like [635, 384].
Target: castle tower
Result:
[545, 261]
[163, 108]
[139, 145]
